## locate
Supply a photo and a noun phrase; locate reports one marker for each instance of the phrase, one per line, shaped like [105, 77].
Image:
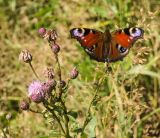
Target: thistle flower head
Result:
[25, 56]
[35, 92]
[24, 105]
[39, 91]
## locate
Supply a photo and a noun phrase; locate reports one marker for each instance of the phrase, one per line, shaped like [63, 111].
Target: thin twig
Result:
[30, 64]
[59, 75]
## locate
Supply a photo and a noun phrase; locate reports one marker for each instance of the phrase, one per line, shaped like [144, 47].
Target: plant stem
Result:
[55, 116]
[33, 70]
[66, 118]
[59, 75]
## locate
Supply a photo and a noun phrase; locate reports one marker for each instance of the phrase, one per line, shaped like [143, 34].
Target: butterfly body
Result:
[107, 47]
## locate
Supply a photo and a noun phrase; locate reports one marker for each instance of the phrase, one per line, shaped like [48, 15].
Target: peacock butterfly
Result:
[107, 47]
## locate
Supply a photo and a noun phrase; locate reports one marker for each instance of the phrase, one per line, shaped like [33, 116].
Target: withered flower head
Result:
[25, 56]
[50, 35]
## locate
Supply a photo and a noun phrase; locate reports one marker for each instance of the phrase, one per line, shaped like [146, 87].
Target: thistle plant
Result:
[51, 93]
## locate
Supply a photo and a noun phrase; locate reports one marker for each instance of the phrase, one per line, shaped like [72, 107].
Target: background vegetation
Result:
[128, 103]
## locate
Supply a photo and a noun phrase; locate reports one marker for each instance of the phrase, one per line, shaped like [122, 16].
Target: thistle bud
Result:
[55, 48]
[74, 73]
[62, 84]
[25, 56]
[42, 31]
[24, 105]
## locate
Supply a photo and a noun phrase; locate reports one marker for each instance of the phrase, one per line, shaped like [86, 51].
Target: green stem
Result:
[59, 75]
[55, 116]
[66, 118]
[33, 70]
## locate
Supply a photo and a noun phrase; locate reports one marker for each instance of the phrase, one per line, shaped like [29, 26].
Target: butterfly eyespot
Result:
[78, 32]
[135, 32]
[122, 50]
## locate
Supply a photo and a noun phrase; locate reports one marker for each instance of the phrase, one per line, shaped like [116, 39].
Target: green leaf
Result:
[91, 126]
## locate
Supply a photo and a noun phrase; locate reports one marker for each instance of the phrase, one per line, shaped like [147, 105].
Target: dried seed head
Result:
[74, 73]
[50, 35]
[25, 56]
[24, 105]
[55, 48]
[42, 31]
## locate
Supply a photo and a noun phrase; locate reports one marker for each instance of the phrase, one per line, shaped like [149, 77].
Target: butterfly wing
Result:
[122, 41]
[92, 41]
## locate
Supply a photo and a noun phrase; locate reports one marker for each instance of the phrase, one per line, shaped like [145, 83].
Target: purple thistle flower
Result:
[36, 92]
